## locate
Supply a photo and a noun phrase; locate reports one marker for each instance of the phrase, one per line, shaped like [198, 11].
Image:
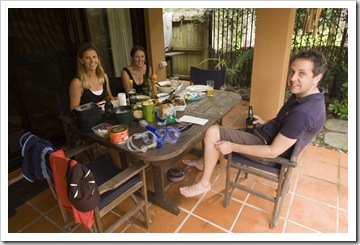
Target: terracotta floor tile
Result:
[312, 214]
[47, 227]
[343, 160]
[56, 217]
[295, 228]
[343, 222]
[163, 221]
[318, 154]
[24, 216]
[211, 208]
[343, 198]
[44, 201]
[320, 170]
[317, 189]
[196, 225]
[344, 177]
[255, 221]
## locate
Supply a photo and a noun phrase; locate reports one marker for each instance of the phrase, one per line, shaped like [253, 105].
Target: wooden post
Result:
[153, 86]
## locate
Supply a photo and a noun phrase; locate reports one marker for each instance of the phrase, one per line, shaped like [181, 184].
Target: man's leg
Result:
[210, 159]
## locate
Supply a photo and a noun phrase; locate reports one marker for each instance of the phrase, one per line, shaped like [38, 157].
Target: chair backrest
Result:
[199, 76]
[116, 86]
[63, 100]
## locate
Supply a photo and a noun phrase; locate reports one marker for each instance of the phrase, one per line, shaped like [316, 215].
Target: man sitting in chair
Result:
[300, 118]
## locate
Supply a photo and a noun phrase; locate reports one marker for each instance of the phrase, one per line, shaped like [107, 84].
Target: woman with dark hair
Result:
[91, 84]
[137, 70]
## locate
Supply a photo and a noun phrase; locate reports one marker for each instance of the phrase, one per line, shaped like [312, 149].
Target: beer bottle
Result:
[108, 107]
[145, 86]
[250, 126]
[132, 95]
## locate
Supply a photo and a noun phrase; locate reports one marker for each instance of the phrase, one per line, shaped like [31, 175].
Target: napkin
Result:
[191, 119]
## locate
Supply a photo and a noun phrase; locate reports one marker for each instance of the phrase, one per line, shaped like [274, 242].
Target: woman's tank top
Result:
[138, 88]
[89, 96]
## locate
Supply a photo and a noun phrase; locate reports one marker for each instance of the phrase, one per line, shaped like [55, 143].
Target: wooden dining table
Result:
[162, 159]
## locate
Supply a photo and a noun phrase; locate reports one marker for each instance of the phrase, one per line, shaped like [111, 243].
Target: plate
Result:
[197, 88]
[193, 96]
[141, 97]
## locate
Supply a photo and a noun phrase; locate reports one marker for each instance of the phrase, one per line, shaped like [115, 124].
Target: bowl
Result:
[164, 87]
[176, 174]
[162, 96]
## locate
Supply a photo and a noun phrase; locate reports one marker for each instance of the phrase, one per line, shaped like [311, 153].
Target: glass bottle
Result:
[250, 126]
[108, 107]
[132, 95]
[145, 86]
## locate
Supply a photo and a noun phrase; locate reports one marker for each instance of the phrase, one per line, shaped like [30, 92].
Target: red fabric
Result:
[59, 166]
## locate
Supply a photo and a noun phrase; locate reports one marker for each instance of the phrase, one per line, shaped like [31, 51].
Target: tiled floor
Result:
[317, 202]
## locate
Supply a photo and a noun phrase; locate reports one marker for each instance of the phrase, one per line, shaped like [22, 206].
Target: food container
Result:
[176, 174]
[119, 134]
[102, 130]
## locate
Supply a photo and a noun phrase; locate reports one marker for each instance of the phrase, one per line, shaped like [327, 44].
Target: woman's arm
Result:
[125, 80]
[75, 93]
[108, 86]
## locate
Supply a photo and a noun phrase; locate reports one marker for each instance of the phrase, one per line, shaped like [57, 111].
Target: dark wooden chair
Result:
[68, 122]
[116, 86]
[277, 169]
[115, 186]
[199, 76]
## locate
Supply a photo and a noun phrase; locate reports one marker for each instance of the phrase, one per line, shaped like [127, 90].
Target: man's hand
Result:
[259, 120]
[224, 147]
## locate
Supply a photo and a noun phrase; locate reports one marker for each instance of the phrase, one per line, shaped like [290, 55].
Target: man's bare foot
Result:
[195, 163]
[194, 190]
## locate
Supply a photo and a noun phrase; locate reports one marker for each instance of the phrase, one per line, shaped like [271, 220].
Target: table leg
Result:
[158, 197]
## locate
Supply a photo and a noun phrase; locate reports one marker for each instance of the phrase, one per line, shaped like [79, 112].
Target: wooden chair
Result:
[277, 169]
[199, 76]
[116, 86]
[115, 185]
[68, 122]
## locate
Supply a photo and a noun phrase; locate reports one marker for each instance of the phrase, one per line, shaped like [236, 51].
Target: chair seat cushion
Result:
[273, 168]
[104, 169]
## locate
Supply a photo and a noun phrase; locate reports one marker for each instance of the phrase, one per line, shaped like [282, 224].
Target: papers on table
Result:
[191, 119]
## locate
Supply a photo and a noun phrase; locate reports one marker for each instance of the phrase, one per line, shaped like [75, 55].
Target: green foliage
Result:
[340, 107]
[231, 72]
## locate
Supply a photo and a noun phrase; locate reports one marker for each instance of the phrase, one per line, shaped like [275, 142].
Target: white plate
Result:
[197, 88]
[141, 97]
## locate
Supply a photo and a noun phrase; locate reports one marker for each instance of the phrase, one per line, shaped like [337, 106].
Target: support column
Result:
[274, 28]
[155, 41]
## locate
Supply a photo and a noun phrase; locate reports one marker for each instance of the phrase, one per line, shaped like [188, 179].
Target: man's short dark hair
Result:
[316, 57]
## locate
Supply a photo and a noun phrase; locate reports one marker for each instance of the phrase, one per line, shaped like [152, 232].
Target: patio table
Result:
[162, 159]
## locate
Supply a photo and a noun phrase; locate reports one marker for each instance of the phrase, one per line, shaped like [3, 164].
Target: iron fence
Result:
[232, 34]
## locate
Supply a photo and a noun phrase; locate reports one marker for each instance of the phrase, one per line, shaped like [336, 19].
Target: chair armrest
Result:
[81, 148]
[122, 177]
[280, 160]
[67, 119]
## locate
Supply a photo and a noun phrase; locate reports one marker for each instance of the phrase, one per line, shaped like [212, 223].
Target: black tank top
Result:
[138, 88]
[89, 96]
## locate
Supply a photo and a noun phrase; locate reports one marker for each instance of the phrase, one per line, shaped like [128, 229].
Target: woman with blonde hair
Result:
[91, 84]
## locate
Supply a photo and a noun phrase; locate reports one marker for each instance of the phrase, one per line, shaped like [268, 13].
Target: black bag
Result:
[87, 116]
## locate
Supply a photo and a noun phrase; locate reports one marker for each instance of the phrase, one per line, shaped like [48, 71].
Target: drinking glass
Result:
[210, 87]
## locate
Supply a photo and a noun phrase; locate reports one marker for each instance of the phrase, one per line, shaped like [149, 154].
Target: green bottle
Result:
[145, 86]
[250, 126]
